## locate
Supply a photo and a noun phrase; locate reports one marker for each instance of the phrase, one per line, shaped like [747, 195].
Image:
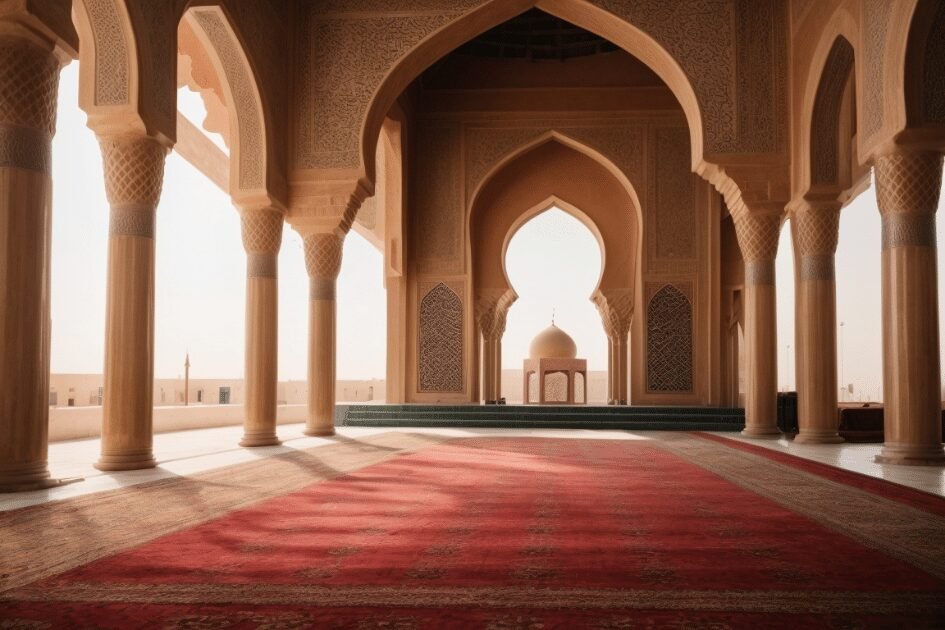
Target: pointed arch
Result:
[834, 60]
[494, 12]
[825, 118]
[524, 183]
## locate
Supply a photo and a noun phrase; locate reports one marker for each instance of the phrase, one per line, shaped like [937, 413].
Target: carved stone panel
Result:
[669, 363]
[438, 219]
[441, 339]
[672, 217]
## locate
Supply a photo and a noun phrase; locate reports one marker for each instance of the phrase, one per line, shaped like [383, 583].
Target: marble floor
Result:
[189, 452]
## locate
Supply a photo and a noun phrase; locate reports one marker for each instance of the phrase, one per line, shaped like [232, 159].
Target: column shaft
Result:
[610, 371]
[497, 369]
[323, 261]
[488, 370]
[758, 235]
[134, 171]
[815, 238]
[29, 76]
[262, 237]
[907, 188]
[761, 341]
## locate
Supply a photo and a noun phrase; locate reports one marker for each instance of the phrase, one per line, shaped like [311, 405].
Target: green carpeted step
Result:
[544, 416]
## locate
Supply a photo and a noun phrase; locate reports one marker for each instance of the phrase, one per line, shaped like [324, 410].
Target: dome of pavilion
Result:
[552, 343]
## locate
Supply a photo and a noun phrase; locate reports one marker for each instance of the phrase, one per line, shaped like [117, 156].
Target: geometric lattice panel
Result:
[556, 387]
[669, 341]
[441, 341]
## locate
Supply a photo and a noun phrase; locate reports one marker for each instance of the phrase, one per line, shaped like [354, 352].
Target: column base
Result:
[260, 439]
[762, 433]
[912, 455]
[816, 437]
[29, 477]
[129, 461]
[319, 431]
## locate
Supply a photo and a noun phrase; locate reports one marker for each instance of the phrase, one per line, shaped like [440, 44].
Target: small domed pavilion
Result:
[552, 373]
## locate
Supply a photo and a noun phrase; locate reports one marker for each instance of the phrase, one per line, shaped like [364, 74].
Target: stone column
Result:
[815, 227]
[134, 173]
[492, 366]
[29, 81]
[610, 371]
[758, 239]
[323, 262]
[262, 237]
[907, 189]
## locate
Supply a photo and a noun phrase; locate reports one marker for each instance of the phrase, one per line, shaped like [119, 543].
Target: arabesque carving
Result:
[252, 150]
[875, 24]
[112, 74]
[343, 62]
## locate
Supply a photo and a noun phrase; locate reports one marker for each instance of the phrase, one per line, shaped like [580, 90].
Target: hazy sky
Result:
[553, 263]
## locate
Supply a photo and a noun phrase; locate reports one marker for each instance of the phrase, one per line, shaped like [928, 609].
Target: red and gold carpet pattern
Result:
[521, 533]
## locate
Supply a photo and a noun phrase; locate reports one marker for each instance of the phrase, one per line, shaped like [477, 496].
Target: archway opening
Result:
[553, 263]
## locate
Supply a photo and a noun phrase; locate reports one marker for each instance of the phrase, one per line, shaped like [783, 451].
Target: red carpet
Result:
[499, 533]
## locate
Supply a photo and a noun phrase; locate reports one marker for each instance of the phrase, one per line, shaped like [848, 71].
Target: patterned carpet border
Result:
[912, 497]
[765, 601]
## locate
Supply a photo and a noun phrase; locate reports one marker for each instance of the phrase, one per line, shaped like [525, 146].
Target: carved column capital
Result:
[134, 176]
[616, 311]
[908, 185]
[758, 235]
[29, 83]
[816, 229]
[262, 237]
[323, 263]
[492, 308]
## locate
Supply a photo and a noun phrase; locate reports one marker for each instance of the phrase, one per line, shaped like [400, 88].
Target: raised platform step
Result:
[543, 417]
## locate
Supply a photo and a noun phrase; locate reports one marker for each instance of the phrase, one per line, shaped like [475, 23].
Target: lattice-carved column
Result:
[492, 307]
[134, 174]
[29, 81]
[616, 311]
[815, 226]
[323, 262]
[262, 238]
[757, 234]
[907, 188]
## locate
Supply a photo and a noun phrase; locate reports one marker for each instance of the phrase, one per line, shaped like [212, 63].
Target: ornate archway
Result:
[555, 171]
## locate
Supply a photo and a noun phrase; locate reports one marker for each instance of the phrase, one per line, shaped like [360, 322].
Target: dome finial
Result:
[552, 316]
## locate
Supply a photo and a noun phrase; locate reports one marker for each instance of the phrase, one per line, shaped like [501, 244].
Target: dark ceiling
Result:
[537, 36]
